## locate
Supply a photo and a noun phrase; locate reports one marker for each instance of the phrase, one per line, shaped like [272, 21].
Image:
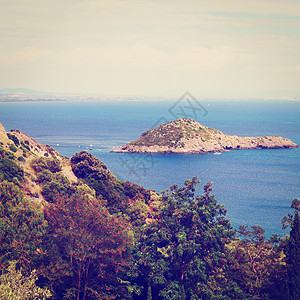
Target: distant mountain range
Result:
[15, 94]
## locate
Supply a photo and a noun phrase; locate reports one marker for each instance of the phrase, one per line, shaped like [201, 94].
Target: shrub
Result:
[10, 170]
[25, 145]
[21, 159]
[14, 139]
[44, 176]
[13, 148]
[42, 163]
[7, 154]
[55, 183]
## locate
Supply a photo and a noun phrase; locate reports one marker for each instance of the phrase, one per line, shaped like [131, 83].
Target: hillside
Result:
[17, 148]
[188, 136]
[42, 172]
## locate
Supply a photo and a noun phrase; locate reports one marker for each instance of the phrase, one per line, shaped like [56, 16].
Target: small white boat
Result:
[217, 153]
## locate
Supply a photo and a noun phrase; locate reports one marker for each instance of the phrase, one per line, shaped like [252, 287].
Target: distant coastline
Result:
[27, 95]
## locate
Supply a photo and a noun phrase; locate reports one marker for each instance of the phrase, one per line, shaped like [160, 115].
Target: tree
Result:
[292, 252]
[87, 248]
[254, 263]
[96, 175]
[22, 227]
[15, 286]
[179, 250]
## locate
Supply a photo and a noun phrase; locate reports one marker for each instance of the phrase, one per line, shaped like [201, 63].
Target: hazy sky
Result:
[151, 47]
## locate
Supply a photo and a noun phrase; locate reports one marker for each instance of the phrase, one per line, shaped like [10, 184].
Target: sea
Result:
[256, 186]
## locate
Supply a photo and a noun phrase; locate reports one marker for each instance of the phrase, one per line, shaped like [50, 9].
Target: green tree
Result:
[292, 252]
[185, 243]
[95, 174]
[254, 263]
[22, 227]
[15, 286]
[137, 211]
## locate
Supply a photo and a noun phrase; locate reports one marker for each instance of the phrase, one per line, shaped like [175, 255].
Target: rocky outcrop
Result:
[189, 136]
[3, 134]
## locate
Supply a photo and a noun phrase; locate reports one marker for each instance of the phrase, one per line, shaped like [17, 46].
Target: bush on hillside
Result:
[43, 163]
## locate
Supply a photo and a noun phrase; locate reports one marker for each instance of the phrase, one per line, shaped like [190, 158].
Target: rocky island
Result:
[188, 136]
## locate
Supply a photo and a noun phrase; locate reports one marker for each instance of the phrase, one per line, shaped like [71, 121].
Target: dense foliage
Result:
[118, 194]
[49, 176]
[256, 264]
[9, 169]
[185, 243]
[14, 285]
[87, 248]
[102, 238]
[22, 228]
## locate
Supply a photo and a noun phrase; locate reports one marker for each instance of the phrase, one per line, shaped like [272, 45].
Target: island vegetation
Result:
[69, 229]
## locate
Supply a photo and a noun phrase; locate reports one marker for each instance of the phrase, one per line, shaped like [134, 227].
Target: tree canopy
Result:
[185, 243]
[87, 245]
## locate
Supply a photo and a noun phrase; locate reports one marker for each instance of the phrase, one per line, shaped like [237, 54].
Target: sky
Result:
[213, 48]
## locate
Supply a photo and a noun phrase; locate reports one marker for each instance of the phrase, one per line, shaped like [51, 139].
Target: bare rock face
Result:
[2, 129]
[188, 136]
[3, 135]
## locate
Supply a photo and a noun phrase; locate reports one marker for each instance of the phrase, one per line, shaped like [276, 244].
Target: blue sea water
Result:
[256, 186]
